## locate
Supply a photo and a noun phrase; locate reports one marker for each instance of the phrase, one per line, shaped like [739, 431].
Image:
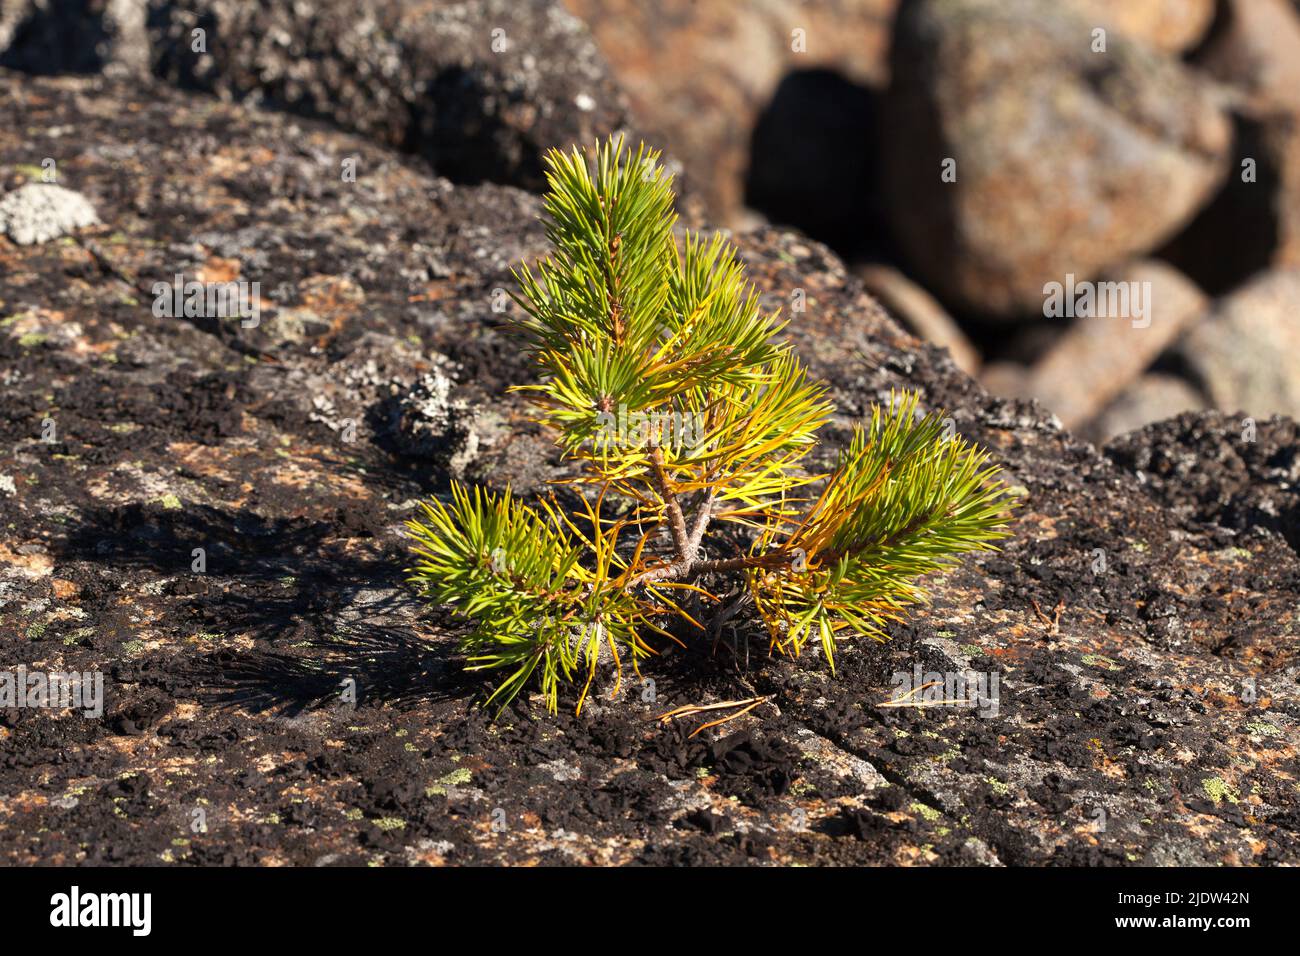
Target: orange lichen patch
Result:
[1042, 527]
[64, 589]
[128, 745]
[335, 298]
[210, 461]
[434, 291]
[428, 857]
[28, 565]
[291, 474]
[910, 856]
[217, 269]
[474, 764]
[8, 256]
[26, 801]
[226, 163]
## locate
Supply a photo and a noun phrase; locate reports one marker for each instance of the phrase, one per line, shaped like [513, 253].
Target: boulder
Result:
[1253, 222]
[1258, 50]
[481, 88]
[1169, 25]
[1134, 314]
[1152, 398]
[1246, 354]
[702, 76]
[1018, 155]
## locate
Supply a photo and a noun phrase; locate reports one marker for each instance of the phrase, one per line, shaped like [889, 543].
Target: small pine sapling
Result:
[661, 376]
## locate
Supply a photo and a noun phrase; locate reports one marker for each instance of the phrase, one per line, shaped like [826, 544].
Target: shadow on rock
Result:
[813, 162]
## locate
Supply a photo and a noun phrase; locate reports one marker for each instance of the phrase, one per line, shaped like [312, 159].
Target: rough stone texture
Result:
[40, 212]
[1067, 160]
[1170, 25]
[1258, 50]
[702, 74]
[429, 422]
[1160, 689]
[919, 312]
[481, 87]
[1100, 354]
[1152, 398]
[1247, 354]
[1217, 469]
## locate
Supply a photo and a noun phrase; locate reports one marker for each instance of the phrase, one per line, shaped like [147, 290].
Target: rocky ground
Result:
[1142, 621]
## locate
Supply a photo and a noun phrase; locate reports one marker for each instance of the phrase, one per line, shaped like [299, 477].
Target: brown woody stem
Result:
[686, 545]
[680, 570]
[676, 520]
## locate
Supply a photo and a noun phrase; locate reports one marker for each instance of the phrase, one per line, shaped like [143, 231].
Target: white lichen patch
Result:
[39, 212]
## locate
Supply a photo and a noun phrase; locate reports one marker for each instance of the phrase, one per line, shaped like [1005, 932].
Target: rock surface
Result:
[1066, 160]
[1247, 354]
[1170, 25]
[479, 87]
[1144, 642]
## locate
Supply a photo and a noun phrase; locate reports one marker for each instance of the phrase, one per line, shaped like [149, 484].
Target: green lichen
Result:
[1217, 789]
[1101, 660]
[1262, 728]
[457, 778]
[930, 814]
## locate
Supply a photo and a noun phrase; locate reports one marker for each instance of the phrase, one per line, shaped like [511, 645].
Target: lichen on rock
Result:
[38, 212]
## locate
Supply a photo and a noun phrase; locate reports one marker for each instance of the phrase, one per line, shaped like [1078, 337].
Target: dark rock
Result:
[480, 88]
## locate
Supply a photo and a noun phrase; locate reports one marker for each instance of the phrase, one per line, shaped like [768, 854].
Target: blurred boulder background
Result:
[965, 157]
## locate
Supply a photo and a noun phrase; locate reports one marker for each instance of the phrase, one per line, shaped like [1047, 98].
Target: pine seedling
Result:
[690, 425]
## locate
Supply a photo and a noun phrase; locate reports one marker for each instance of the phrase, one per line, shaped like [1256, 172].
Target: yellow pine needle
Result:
[690, 710]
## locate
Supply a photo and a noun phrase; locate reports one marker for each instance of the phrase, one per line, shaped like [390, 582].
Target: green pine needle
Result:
[663, 379]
